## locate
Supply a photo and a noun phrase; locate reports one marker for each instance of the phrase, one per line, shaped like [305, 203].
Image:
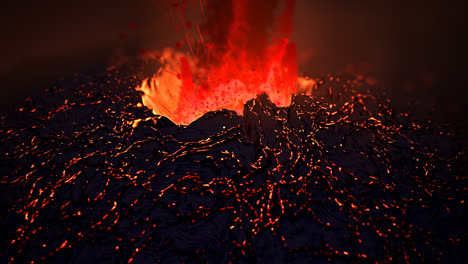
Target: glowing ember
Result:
[240, 61]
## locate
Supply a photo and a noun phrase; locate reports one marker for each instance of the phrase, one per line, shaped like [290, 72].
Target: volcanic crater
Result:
[89, 174]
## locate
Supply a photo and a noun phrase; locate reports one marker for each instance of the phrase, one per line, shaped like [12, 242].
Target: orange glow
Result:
[226, 74]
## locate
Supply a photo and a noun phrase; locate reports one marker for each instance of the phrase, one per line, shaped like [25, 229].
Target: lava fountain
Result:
[241, 50]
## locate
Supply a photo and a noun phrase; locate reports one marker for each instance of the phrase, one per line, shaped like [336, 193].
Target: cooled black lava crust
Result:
[90, 177]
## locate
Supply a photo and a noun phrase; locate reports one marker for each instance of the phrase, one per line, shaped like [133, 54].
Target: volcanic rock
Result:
[91, 176]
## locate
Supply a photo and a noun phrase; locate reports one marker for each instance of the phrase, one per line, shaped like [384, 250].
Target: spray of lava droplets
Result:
[242, 50]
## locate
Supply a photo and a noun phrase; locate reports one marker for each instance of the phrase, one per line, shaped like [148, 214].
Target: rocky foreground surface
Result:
[91, 176]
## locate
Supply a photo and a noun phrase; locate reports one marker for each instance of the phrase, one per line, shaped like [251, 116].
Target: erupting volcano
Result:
[242, 50]
[233, 157]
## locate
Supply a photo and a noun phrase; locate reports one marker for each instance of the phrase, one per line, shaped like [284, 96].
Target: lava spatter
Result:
[243, 49]
[91, 175]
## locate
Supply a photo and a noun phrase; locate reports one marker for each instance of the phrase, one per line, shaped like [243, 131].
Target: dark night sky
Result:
[406, 41]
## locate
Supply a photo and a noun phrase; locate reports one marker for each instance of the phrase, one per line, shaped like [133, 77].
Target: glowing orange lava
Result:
[238, 60]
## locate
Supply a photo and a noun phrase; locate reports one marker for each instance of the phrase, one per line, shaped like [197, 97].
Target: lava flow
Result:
[234, 57]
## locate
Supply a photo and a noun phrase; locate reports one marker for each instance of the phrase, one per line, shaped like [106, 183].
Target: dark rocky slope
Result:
[88, 176]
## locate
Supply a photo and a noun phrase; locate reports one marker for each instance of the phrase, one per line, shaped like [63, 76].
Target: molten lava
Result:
[239, 58]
